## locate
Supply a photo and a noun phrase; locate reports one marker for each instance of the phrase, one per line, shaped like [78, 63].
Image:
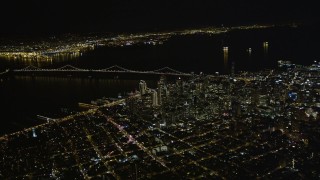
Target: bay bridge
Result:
[111, 70]
[4, 72]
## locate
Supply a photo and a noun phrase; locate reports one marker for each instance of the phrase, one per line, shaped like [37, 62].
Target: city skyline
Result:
[248, 125]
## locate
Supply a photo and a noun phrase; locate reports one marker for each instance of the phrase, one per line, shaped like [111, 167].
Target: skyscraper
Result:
[142, 87]
[232, 69]
[155, 98]
[34, 133]
[249, 50]
[225, 58]
[161, 86]
[265, 49]
[159, 96]
[166, 91]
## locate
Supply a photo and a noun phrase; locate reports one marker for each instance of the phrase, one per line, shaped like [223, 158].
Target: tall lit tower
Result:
[161, 85]
[166, 91]
[34, 133]
[159, 96]
[249, 50]
[265, 49]
[155, 98]
[232, 69]
[142, 87]
[225, 58]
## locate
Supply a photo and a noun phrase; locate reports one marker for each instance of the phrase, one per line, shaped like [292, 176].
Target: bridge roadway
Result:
[5, 72]
[70, 117]
[113, 69]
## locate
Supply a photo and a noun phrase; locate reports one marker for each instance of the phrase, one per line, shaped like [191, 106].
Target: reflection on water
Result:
[45, 58]
[24, 97]
[40, 60]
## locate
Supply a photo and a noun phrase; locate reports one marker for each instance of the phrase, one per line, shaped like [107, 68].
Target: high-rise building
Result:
[249, 50]
[161, 88]
[143, 87]
[34, 133]
[232, 69]
[180, 85]
[166, 91]
[155, 98]
[225, 58]
[265, 49]
[159, 96]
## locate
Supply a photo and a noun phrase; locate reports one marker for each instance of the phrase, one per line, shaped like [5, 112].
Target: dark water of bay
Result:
[202, 53]
[23, 98]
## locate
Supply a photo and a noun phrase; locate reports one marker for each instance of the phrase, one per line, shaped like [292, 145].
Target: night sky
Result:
[57, 16]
